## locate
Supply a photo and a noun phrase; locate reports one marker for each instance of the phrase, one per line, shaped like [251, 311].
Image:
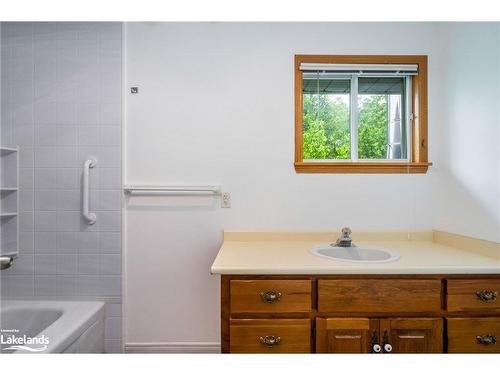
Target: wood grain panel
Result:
[463, 335]
[294, 335]
[246, 296]
[413, 335]
[378, 296]
[224, 314]
[345, 335]
[462, 295]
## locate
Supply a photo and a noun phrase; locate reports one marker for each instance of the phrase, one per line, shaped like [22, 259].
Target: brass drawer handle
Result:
[487, 295]
[270, 341]
[270, 296]
[486, 339]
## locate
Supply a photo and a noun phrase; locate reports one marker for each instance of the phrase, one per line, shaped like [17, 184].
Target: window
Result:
[361, 114]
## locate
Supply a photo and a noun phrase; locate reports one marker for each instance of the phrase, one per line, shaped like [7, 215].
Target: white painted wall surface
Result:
[216, 105]
[468, 195]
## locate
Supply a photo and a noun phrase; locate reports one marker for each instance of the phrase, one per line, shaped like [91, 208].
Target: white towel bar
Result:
[142, 190]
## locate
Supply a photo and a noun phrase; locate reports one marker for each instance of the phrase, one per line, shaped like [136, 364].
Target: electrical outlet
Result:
[226, 200]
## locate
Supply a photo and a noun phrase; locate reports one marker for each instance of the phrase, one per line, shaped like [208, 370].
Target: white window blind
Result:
[362, 69]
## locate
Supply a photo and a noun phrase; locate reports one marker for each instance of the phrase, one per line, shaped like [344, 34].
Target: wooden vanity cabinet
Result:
[360, 314]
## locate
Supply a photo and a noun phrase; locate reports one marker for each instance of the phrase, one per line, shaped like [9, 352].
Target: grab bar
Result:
[89, 216]
[142, 190]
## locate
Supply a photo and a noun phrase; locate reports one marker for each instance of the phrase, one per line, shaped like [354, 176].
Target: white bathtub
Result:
[51, 327]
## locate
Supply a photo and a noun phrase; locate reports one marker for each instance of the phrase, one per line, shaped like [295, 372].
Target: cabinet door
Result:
[345, 335]
[412, 335]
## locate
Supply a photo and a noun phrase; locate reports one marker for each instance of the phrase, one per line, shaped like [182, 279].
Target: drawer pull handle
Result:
[270, 296]
[270, 341]
[486, 339]
[487, 295]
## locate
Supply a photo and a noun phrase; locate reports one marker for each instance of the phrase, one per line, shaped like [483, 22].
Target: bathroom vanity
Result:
[278, 297]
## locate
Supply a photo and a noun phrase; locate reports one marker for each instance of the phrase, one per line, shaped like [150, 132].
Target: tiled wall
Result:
[61, 103]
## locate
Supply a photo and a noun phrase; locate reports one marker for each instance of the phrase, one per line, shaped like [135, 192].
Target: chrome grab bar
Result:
[89, 216]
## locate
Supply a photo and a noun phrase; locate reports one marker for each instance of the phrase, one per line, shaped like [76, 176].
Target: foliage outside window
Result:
[350, 122]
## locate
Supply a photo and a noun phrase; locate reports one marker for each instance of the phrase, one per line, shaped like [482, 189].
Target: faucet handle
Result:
[6, 262]
[346, 232]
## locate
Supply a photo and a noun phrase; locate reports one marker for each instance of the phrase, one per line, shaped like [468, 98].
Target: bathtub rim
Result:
[76, 318]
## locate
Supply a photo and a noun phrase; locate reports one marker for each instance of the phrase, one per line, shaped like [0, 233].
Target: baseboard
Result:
[173, 347]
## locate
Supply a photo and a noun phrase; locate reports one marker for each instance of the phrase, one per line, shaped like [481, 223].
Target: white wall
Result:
[216, 105]
[468, 195]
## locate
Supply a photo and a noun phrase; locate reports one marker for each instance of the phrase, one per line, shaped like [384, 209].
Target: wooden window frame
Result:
[418, 162]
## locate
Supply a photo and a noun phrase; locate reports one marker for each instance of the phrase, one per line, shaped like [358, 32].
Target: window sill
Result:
[362, 167]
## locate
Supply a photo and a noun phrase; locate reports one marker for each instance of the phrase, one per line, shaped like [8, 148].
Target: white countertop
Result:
[280, 257]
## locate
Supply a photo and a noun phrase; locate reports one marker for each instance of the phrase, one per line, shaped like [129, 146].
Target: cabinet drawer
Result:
[377, 296]
[465, 295]
[473, 335]
[270, 296]
[270, 336]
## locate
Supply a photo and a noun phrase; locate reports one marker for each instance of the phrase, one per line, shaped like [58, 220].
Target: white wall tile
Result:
[67, 242]
[46, 178]
[67, 156]
[26, 157]
[45, 221]
[66, 285]
[23, 135]
[26, 221]
[67, 135]
[45, 242]
[88, 264]
[45, 157]
[45, 264]
[46, 199]
[17, 286]
[26, 177]
[110, 200]
[67, 264]
[68, 200]
[111, 264]
[88, 112]
[45, 286]
[60, 82]
[68, 178]
[88, 242]
[113, 328]
[26, 242]
[46, 135]
[110, 178]
[110, 220]
[110, 242]
[68, 221]
[88, 136]
[26, 200]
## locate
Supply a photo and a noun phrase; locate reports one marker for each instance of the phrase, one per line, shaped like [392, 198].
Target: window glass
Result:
[326, 117]
[381, 118]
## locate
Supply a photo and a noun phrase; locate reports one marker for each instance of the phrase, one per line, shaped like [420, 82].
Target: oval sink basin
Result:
[357, 254]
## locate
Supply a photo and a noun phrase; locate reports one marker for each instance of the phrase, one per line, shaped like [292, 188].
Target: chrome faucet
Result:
[345, 239]
[5, 262]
